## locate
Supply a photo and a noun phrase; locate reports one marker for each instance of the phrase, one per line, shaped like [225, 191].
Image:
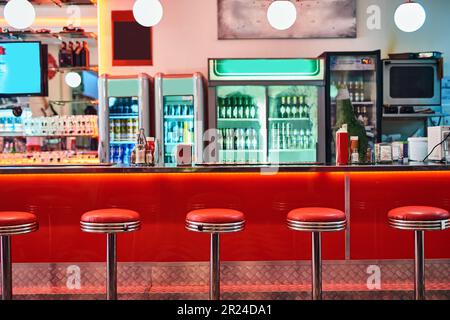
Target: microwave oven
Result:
[415, 82]
[438, 142]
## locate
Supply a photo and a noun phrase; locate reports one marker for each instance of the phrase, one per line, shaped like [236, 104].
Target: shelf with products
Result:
[365, 103]
[292, 150]
[59, 3]
[288, 119]
[175, 118]
[74, 69]
[46, 37]
[123, 116]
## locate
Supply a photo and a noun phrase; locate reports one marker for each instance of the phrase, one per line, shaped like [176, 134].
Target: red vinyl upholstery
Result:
[14, 218]
[418, 213]
[112, 215]
[215, 215]
[316, 215]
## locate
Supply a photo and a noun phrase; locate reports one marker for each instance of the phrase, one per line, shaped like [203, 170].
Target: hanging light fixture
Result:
[73, 79]
[19, 14]
[148, 13]
[282, 14]
[410, 16]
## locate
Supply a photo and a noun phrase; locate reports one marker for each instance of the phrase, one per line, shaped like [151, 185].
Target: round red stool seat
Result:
[15, 222]
[110, 220]
[215, 220]
[316, 219]
[419, 218]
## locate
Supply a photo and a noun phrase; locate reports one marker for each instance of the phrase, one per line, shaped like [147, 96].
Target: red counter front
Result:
[163, 199]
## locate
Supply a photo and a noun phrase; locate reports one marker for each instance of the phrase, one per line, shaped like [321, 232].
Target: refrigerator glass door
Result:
[178, 114]
[241, 123]
[293, 124]
[359, 75]
[124, 127]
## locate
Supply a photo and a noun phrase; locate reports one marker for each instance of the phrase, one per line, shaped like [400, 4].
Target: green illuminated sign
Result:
[265, 69]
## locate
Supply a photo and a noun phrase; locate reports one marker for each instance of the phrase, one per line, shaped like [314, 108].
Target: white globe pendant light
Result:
[73, 79]
[19, 14]
[148, 13]
[410, 16]
[282, 14]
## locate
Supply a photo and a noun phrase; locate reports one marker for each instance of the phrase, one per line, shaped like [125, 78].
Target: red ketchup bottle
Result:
[342, 146]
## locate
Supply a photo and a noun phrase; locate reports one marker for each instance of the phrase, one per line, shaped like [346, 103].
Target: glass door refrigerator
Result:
[267, 110]
[360, 72]
[124, 108]
[179, 108]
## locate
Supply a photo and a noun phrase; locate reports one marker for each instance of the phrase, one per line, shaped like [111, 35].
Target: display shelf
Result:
[11, 134]
[46, 37]
[360, 103]
[240, 151]
[59, 3]
[123, 116]
[238, 119]
[65, 69]
[123, 142]
[54, 136]
[292, 150]
[414, 115]
[289, 119]
[190, 117]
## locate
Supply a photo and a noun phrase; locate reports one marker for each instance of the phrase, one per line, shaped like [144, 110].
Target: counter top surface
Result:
[221, 169]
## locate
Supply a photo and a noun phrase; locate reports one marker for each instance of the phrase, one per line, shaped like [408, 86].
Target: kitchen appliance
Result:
[439, 140]
[418, 149]
[415, 82]
[179, 107]
[266, 111]
[360, 72]
[124, 108]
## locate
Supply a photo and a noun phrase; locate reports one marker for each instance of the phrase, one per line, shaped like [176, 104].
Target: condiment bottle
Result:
[342, 146]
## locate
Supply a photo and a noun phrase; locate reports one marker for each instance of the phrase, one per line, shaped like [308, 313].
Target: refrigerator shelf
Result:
[123, 142]
[241, 150]
[292, 150]
[359, 103]
[289, 119]
[190, 117]
[348, 68]
[123, 116]
[238, 119]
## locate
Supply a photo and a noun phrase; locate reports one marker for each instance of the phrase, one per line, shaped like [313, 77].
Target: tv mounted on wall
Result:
[23, 69]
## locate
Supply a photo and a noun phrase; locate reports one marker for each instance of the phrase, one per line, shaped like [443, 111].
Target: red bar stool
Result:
[215, 222]
[316, 220]
[11, 224]
[111, 221]
[419, 219]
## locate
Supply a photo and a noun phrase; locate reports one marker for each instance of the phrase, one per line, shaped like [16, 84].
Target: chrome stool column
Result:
[419, 219]
[111, 222]
[11, 224]
[215, 222]
[316, 220]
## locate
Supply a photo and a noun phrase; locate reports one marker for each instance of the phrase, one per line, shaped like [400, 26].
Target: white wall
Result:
[187, 36]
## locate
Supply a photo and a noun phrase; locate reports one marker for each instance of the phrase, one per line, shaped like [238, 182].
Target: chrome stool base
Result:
[111, 230]
[316, 228]
[214, 229]
[419, 250]
[5, 244]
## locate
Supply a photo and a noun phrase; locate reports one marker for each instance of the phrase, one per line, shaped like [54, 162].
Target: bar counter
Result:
[268, 169]
[163, 197]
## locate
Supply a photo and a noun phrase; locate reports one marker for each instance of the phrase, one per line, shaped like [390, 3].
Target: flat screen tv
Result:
[90, 84]
[23, 69]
